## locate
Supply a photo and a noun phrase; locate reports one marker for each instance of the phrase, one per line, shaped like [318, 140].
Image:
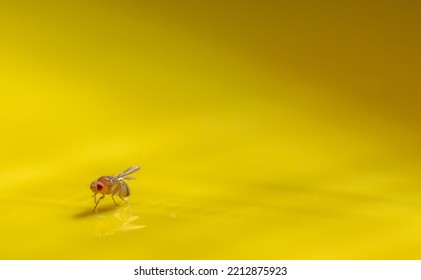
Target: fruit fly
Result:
[113, 185]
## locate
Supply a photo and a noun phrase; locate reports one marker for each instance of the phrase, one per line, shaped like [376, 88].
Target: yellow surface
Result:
[265, 129]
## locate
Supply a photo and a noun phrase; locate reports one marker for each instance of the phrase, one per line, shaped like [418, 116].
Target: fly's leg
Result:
[114, 200]
[119, 195]
[123, 199]
[125, 191]
[103, 195]
[113, 193]
[94, 196]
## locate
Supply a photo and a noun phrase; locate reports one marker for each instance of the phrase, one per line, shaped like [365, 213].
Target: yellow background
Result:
[265, 129]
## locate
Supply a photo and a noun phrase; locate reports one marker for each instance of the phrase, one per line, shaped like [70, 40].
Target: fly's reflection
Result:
[120, 220]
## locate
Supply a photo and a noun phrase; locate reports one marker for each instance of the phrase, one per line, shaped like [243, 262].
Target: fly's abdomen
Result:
[122, 189]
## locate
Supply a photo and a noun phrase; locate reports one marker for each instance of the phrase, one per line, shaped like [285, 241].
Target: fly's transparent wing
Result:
[128, 171]
[124, 178]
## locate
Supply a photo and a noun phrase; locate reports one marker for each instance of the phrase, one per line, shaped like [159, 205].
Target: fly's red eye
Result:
[99, 187]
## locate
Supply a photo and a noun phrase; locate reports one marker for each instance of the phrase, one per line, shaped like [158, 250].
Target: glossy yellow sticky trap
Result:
[267, 130]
